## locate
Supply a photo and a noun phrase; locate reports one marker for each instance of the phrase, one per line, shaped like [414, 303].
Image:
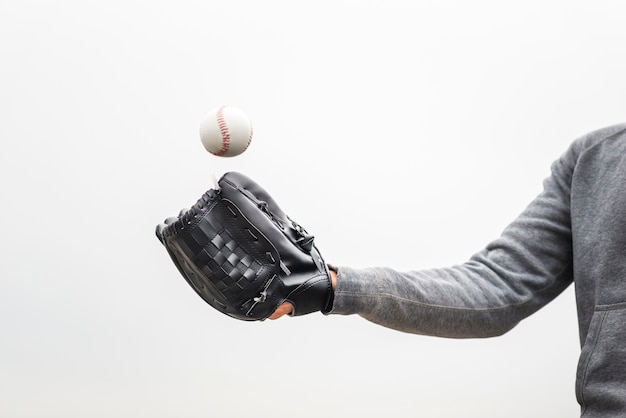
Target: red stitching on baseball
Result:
[221, 123]
[249, 139]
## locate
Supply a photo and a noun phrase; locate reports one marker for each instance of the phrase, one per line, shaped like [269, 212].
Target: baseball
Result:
[226, 131]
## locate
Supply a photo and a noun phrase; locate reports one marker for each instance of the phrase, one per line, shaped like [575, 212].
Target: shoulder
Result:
[610, 139]
[600, 137]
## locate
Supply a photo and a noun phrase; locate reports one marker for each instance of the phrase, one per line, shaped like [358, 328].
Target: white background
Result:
[401, 133]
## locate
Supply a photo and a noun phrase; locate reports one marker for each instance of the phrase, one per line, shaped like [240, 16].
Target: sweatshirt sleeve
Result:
[511, 278]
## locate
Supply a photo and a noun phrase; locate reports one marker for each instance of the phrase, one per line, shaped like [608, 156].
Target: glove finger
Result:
[159, 232]
[182, 212]
[161, 227]
[171, 220]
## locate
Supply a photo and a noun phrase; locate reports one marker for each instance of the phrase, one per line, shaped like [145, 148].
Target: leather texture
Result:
[244, 256]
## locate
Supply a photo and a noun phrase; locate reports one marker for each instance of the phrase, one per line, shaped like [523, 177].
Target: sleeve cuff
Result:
[357, 291]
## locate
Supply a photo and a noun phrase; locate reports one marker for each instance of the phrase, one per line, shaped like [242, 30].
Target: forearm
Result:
[458, 302]
[511, 278]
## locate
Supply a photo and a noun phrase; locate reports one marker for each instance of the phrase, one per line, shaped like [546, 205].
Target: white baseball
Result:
[226, 131]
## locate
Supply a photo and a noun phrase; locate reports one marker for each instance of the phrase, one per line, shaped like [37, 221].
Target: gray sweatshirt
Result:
[574, 231]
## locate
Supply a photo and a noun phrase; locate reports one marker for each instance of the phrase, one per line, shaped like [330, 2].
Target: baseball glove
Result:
[245, 257]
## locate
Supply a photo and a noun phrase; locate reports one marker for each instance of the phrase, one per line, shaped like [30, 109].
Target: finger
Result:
[284, 309]
[159, 231]
[171, 220]
[161, 227]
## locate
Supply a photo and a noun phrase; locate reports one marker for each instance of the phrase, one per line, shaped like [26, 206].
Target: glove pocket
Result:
[229, 262]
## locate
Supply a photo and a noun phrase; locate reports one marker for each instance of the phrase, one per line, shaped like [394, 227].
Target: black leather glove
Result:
[245, 257]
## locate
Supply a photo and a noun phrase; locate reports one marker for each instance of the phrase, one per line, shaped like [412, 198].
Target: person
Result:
[574, 231]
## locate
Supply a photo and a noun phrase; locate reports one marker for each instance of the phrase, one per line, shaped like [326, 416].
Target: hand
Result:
[285, 308]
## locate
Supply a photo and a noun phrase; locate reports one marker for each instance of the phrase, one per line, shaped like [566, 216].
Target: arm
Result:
[514, 276]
